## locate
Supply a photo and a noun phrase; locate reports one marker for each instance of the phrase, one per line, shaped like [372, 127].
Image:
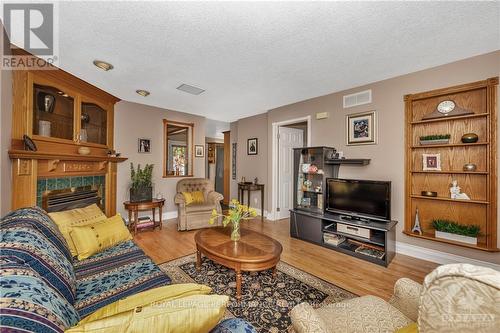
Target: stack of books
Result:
[370, 251]
[333, 239]
[145, 222]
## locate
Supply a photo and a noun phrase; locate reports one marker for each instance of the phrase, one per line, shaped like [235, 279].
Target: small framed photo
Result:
[144, 146]
[431, 162]
[199, 151]
[252, 146]
[361, 128]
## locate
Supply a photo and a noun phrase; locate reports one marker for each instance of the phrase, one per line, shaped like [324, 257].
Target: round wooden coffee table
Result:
[253, 252]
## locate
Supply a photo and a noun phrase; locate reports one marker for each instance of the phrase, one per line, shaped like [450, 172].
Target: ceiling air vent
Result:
[190, 89]
[360, 98]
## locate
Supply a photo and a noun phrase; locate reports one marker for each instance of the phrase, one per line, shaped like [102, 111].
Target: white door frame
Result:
[272, 215]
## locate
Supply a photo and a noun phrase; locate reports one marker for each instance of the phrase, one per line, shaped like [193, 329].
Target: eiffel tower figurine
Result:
[416, 225]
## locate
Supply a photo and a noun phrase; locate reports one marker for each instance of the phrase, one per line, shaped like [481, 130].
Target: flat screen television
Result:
[363, 198]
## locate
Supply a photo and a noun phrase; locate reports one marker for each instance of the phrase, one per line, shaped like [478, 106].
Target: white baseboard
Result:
[169, 215]
[439, 257]
[259, 213]
[271, 216]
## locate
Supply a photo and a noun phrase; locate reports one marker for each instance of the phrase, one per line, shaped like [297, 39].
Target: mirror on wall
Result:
[178, 138]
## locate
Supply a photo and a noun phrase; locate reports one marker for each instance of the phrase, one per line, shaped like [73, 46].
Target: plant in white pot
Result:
[451, 230]
[141, 187]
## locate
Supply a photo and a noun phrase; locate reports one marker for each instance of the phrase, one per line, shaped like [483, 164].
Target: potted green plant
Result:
[236, 213]
[457, 232]
[141, 188]
[435, 139]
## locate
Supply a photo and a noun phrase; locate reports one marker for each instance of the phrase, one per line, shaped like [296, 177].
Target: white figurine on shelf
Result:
[416, 227]
[455, 192]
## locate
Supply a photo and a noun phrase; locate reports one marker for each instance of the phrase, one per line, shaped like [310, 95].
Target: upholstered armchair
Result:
[196, 215]
[455, 298]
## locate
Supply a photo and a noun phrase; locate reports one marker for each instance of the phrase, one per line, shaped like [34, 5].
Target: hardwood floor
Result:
[354, 275]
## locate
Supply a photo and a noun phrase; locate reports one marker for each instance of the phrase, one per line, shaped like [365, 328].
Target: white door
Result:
[288, 138]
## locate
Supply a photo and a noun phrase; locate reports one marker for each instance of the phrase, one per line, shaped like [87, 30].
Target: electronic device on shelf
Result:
[360, 200]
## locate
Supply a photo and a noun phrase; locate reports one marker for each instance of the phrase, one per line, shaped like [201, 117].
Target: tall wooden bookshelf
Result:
[481, 184]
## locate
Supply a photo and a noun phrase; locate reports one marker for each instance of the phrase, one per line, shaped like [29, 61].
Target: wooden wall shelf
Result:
[449, 199]
[453, 172]
[478, 115]
[451, 145]
[429, 236]
[481, 185]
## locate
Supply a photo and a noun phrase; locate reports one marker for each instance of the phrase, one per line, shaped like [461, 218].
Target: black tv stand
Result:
[354, 218]
[312, 227]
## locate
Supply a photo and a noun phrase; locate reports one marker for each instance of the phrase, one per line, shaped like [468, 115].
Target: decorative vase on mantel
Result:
[236, 213]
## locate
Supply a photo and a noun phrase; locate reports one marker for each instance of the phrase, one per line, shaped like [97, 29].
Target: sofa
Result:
[196, 215]
[455, 298]
[44, 289]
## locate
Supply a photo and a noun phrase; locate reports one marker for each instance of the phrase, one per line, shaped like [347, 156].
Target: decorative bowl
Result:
[470, 138]
[470, 167]
[429, 194]
[84, 150]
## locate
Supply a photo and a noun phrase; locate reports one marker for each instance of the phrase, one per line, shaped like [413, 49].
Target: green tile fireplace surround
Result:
[48, 184]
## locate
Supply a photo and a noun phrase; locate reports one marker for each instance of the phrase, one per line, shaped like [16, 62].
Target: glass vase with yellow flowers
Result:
[236, 213]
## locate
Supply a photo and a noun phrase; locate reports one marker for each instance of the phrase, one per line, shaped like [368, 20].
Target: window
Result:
[178, 139]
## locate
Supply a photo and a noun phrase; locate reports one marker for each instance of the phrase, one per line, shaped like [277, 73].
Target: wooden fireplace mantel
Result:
[37, 155]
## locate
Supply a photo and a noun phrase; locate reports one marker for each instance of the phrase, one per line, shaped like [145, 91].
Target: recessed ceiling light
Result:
[143, 93]
[190, 89]
[105, 66]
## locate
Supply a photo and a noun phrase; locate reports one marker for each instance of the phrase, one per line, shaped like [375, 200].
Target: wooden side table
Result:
[134, 208]
[242, 187]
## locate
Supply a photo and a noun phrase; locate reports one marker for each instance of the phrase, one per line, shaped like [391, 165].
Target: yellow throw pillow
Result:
[66, 220]
[188, 197]
[412, 328]
[193, 314]
[193, 197]
[94, 238]
[198, 197]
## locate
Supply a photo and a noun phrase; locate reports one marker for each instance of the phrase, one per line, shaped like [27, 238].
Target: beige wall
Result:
[5, 130]
[387, 157]
[251, 166]
[133, 121]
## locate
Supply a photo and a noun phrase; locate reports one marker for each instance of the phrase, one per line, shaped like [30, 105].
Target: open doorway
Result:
[215, 164]
[287, 135]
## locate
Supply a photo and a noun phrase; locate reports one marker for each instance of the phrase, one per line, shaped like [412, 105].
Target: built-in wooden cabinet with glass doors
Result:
[58, 112]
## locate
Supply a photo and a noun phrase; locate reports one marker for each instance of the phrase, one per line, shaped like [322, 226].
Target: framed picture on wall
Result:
[252, 146]
[233, 161]
[199, 151]
[144, 145]
[431, 162]
[361, 128]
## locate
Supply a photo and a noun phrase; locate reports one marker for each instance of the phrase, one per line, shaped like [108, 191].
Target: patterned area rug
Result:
[266, 301]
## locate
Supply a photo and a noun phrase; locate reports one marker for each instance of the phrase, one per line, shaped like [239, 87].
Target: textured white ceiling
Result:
[251, 57]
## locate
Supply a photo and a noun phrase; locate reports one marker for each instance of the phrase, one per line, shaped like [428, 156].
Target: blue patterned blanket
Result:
[111, 275]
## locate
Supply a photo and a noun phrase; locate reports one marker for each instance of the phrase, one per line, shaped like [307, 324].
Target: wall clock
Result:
[447, 108]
